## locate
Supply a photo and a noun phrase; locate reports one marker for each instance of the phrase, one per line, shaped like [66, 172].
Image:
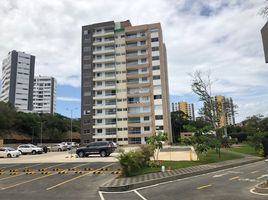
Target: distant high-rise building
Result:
[188, 109]
[44, 95]
[125, 96]
[17, 80]
[224, 111]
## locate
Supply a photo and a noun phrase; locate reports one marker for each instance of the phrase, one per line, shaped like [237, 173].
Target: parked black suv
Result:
[104, 148]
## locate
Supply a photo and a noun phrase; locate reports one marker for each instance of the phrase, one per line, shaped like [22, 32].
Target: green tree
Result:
[156, 141]
[7, 115]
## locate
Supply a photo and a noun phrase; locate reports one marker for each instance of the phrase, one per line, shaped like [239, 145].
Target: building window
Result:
[155, 58]
[86, 32]
[146, 128]
[146, 118]
[156, 77]
[156, 67]
[155, 48]
[157, 96]
[99, 121]
[99, 130]
[158, 117]
[99, 102]
[99, 111]
[154, 39]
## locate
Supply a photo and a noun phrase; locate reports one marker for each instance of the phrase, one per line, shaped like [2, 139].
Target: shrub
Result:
[132, 161]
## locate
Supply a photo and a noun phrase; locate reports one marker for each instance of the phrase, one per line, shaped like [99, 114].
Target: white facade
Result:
[44, 94]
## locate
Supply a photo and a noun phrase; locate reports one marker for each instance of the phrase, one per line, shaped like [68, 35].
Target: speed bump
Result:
[78, 172]
[115, 172]
[57, 169]
[30, 173]
[72, 169]
[14, 170]
[27, 170]
[14, 173]
[45, 172]
[97, 172]
[2, 173]
[42, 170]
[62, 172]
[88, 169]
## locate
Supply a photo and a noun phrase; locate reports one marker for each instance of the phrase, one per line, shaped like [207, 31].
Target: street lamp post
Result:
[41, 138]
[32, 134]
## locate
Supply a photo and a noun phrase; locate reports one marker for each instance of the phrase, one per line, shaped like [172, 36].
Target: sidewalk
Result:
[123, 184]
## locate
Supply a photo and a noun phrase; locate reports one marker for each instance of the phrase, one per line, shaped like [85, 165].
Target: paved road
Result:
[230, 184]
[53, 185]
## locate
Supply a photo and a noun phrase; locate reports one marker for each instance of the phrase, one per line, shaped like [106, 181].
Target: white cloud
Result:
[223, 36]
[71, 99]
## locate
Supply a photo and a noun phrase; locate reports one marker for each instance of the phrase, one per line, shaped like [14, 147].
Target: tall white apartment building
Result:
[44, 94]
[124, 93]
[17, 80]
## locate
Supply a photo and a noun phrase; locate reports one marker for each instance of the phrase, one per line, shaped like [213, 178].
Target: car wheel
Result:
[103, 153]
[9, 155]
[81, 154]
[59, 149]
[33, 152]
[20, 152]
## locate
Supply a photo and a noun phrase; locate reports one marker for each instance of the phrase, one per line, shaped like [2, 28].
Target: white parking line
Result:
[142, 197]
[101, 195]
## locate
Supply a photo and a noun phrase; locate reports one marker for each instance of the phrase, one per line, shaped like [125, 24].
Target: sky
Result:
[216, 36]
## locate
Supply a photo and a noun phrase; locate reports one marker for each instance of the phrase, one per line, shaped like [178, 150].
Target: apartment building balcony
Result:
[104, 60]
[141, 135]
[103, 33]
[138, 84]
[113, 87]
[103, 97]
[104, 136]
[104, 106]
[104, 69]
[135, 56]
[103, 51]
[103, 42]
[98, 126]
[104, 78]
[136, 38]
[136, 47]
[140, 124]
[104, 116]
[136, 65]
[139, 114]
[137, 75]
[138, 104]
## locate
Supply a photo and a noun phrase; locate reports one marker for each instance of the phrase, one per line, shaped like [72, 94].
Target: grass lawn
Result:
[245, 149]
[211, 157]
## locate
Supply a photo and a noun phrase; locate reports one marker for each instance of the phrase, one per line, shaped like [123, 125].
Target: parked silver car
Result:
[57, 147]
[8, 152]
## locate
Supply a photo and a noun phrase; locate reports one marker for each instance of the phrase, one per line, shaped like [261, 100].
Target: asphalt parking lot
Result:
[54, 180]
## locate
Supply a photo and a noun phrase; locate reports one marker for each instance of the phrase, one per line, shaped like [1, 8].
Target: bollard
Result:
[163, 168]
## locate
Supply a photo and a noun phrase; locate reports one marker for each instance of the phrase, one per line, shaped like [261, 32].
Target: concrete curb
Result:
[117, 188]
[262, 190]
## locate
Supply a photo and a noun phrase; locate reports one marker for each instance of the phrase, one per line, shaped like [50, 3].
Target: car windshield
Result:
[10, 149]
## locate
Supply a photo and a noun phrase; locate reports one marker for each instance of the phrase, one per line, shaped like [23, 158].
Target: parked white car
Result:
[8, 152]
[29, 149]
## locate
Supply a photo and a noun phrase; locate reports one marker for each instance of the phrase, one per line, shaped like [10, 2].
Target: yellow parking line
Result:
[205, 186]
[72, 179]
[233, 178]
[26, 181]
